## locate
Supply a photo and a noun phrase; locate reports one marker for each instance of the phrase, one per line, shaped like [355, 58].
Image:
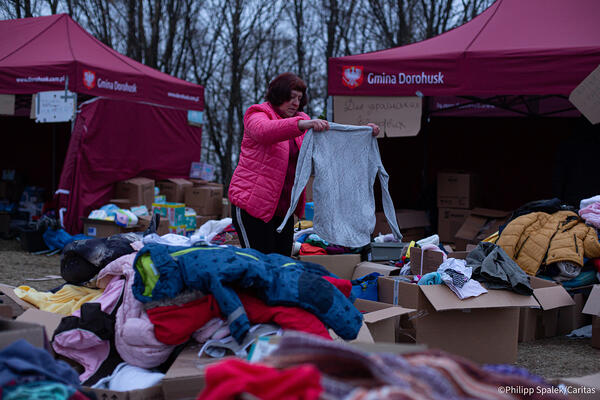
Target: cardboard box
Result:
[582, 388]
[34, 325]
[206, 200]
[381, 319]
[423, 262]
[11, 331]
[185, 379]
[479, 225]
[449, 222]
[174, 189]
[172, 212]
[9, 292]
[487, 323]
[122, 203]
[178, 230]
[100, 228]
[571, 318]
[542, 321]
[138, 190]
[152, 393]
[342, 265]
[163, 224]
[413, 224]
[592, 307]
[456, 190]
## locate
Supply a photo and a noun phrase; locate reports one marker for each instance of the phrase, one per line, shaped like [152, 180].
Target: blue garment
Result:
[23, 359]
[431, 278]
[273, 278]
[59, 238]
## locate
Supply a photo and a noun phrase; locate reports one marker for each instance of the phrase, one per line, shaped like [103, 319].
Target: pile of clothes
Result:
[554, 241]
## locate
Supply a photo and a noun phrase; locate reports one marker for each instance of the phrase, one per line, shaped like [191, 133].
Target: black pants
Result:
[263, 236]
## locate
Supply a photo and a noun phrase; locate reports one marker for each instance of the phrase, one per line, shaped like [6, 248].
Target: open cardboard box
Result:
[481, 223]
[483, 329]
[37, 327]
[543, 320]
[380, 319]
[423, 262]
[33, 325]
[592, 307]
[152, 393]
[349, 266]
[185, 379]
[413, 224]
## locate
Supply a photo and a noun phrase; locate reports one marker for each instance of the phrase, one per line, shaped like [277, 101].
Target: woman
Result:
[261, 185]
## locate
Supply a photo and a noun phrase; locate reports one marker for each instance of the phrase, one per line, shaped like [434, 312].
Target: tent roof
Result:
[37, 54]
[533, 47]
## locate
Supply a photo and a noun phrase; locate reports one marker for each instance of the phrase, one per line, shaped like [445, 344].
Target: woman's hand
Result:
[375, 128]
[317, 125]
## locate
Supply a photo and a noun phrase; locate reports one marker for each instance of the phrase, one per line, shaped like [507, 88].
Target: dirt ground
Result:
[550, 358]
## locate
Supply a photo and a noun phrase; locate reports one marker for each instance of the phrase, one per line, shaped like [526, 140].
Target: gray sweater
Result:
[345, 160]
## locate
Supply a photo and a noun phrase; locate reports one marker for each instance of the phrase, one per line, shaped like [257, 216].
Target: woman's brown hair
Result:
[280, 89]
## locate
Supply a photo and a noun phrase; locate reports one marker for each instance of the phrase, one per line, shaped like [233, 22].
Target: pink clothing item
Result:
[258, 180]
[84, 347]
[591, 214]
[109, 298]
[134, 333]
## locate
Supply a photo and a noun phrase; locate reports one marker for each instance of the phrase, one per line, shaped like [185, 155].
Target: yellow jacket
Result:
[539, 238]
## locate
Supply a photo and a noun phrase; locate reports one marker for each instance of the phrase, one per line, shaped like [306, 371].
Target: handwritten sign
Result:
[55, 106]
[396, 116]
[586, 96]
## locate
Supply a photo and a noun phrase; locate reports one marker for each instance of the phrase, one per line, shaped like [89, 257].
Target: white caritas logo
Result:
[352, 75]
[89, 79]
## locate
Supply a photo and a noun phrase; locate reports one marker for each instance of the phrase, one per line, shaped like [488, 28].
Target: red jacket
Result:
[257, 181]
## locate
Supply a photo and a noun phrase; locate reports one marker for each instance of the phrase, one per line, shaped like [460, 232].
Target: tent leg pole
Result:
[53, 158]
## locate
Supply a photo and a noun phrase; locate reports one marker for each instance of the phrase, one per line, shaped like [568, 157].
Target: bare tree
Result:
[394, 21]
[436, 16]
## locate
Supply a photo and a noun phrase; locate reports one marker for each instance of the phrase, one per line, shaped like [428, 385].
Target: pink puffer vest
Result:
[258, 179]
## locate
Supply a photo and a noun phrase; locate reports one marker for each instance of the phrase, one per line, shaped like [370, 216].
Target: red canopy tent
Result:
[523, 56]
[137, 127]
[39, 54]
[515, 47]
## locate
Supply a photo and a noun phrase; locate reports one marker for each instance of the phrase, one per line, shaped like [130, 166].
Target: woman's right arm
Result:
[264, 130]
[318, 125]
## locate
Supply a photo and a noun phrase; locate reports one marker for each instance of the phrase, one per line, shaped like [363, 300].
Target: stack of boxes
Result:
[185, 204]
[188, 204]
[458, 221]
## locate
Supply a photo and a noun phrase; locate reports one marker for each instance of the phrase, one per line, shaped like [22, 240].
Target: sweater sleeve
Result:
[386, 198]
[303, 170]
[262, 129]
